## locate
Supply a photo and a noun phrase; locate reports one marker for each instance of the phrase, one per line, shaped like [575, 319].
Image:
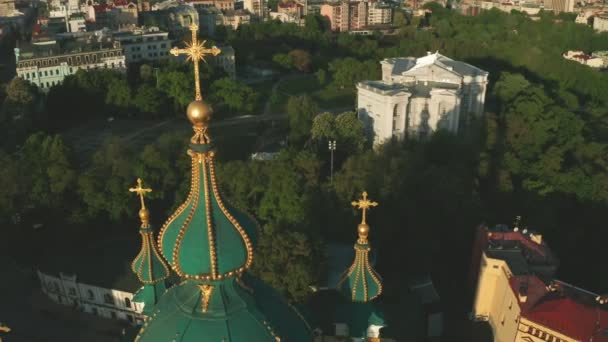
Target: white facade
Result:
[600, 24]
[585, 59]
[48, 71]
[142, 45]
[419, 96]
[77, 24]
[108, 303]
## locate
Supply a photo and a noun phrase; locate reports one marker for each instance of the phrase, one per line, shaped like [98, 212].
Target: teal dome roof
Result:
[225, 310]
[148, 265]
[360, 281]
[206, 238]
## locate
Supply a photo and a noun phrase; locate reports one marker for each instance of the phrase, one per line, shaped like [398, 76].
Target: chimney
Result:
[523, 293]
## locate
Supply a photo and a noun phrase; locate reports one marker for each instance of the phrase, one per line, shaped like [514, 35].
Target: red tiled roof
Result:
[518, 236]
[560, 312]
[121, 2]
[101, 8]
[571, 318]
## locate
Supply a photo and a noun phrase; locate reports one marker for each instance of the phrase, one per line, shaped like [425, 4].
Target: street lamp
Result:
[332, 148]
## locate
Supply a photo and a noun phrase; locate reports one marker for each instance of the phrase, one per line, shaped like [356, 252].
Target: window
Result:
[46, 73]
[127, 302]
[108, 298]
[72, 291]
[56, 71]
[130, 318]
[47, 85]
[95, 312]
[163, 45]
[113, 314]
[39, 73]
[71, 70]
[91, 294]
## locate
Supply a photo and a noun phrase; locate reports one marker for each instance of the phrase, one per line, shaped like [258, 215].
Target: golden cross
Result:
[364, 204]
[141, 191]
[196, 52]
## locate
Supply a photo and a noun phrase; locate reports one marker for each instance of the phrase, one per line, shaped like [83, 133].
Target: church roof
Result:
[360, 281]
[237, 309]
[209, 244]
[408, 64]
[206, 238]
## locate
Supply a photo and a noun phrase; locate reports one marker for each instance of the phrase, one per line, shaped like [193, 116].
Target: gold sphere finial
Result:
[363, 230]
[199, 113]
[144, 216]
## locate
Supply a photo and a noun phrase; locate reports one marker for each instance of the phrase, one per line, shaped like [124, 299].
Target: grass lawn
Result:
[327, 97]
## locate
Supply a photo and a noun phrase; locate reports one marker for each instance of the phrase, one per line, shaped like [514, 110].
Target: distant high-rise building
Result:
[345, 16]
[559, 6]
[257, 8]
[7, 8]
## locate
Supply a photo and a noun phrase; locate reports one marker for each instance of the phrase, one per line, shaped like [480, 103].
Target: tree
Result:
[301, 60]
[321, 76]
[323, 127]
[103, 188]
[288, 261]
[300, 111]
[178, 86]
[350, 131]
[348, 71]
[234, 95]
[283, 61]
[47, 175]
[10, 183]
[149, 100]
[119, 95]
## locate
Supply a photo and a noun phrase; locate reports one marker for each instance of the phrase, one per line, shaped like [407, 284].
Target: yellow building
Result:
[519, 298]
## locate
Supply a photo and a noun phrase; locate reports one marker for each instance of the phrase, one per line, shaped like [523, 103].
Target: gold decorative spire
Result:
[199, 113]
[144, 214]
[206, 291]
[364, 204]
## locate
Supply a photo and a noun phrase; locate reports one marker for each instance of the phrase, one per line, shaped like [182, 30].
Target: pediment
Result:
[435, 73]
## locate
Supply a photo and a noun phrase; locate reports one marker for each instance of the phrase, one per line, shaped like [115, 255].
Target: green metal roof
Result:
[207, 238]
[148, 265]
[360, 282]
[150, 269]
[231, 311]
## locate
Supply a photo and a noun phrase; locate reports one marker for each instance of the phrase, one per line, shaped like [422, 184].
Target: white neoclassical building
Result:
[418, 96]
[105, 302]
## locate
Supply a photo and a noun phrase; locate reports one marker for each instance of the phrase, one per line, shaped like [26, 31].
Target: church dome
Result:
[206, 238]
[224, 311]
[360, 282]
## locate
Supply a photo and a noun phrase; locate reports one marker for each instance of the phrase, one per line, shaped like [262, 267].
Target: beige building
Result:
[46, 69]
[345, 16]
[235, 18]
[7, 8]
[219, 4]
[600, 23]
[516, 294]
[585, 59]
[418, 96]
[379, 13]
[559, 6]
[257, 8]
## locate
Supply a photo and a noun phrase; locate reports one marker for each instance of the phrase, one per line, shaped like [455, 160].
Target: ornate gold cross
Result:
[141, 191]
[364, 204]
[196, 52]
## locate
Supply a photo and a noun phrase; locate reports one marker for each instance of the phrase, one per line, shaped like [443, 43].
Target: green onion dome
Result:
[224, 311]
[206, 238]
[148, 265]
[360, 281]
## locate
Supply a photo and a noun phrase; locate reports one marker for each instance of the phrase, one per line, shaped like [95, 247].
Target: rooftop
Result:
[563, 308]
[523, 250]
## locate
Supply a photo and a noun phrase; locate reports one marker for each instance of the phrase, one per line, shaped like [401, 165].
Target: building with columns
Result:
[516, 293]
[418, 96]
